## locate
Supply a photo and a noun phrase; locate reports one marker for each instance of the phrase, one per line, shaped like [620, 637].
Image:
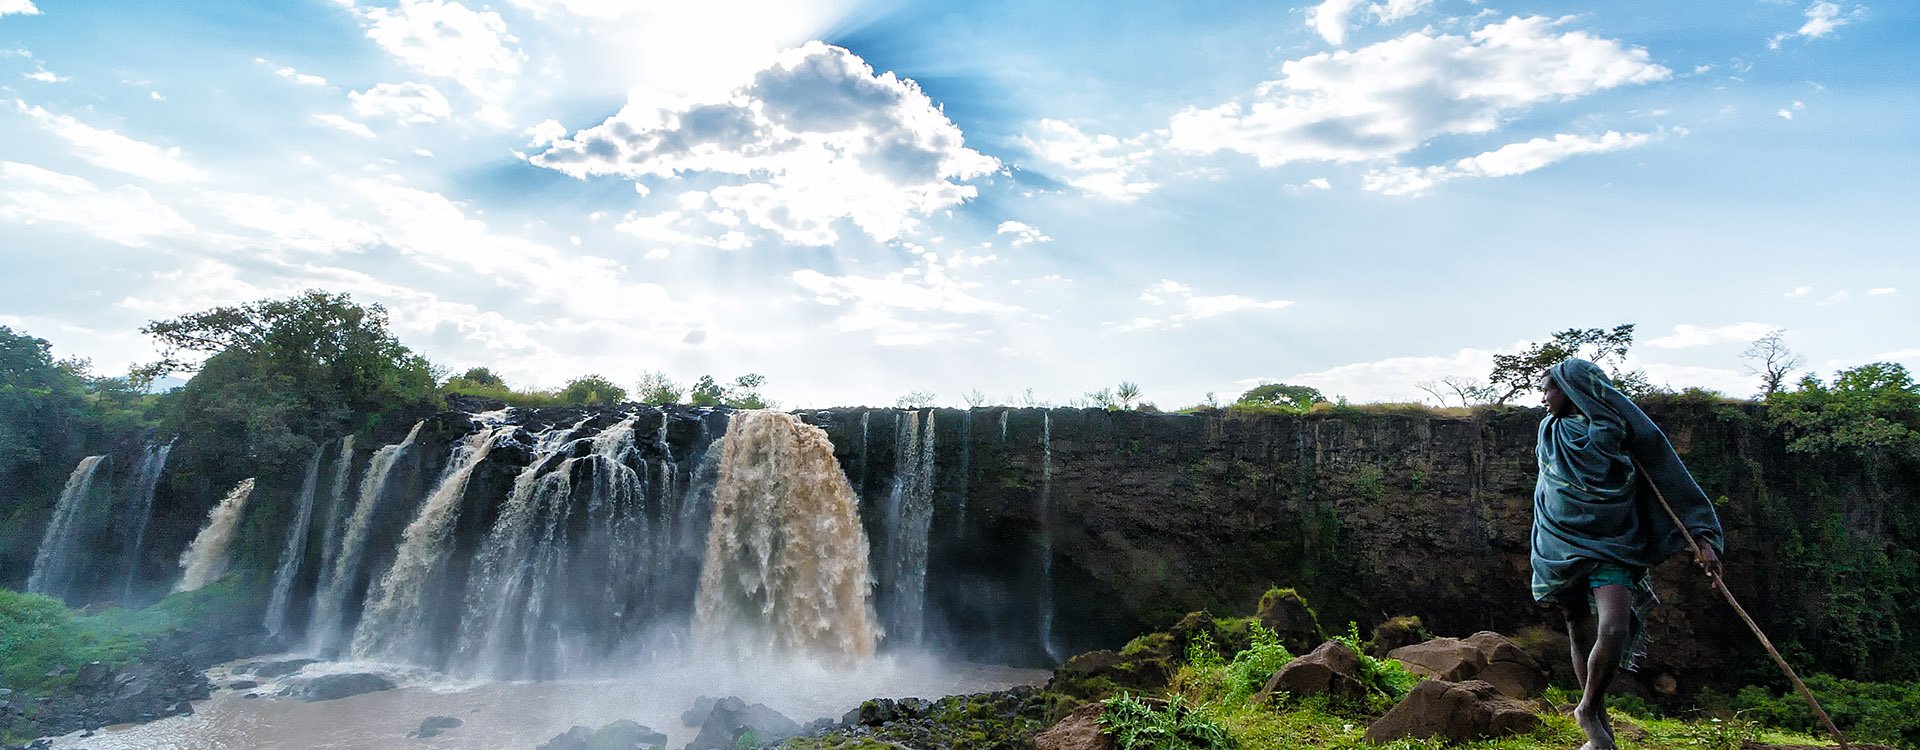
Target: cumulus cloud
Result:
[1799, 291]
[1099, 165]
[1182, 303]
[21, 7]
[1506, 161]
[1385, 99]
[1881, 290]
[1331, 18]
[814, 138]
[1687, 336]
[345, 125]
[1822, 19]
[1023, 233]
[449, 40]
[127, 214]
[410, 103]
[111, 150]
[299, 77]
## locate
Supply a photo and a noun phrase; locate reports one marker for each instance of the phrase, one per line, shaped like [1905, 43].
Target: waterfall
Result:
[330, 603]
[391, 624]
[206, 559]
[53, 564]
[146, 479]
[293, 551]
[909, 519]
[1043, 518]
[342, 483]
[786, 563]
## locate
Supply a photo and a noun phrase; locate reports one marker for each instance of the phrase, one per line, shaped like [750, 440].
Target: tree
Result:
[481, 376]
[1772, 361]
[745, 392]
[705, 392]
[1102, 399]
[656, 388]
[1127, 392]
[1873, 407]
[1291, 397]
[592, 390]
[915, 400]
[1514, 374]
[975, 398]
[1468, 391]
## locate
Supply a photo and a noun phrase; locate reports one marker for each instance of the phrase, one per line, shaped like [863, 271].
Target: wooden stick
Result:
[1721, 586]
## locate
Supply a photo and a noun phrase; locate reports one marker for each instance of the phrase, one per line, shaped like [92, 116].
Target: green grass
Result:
[39, 634]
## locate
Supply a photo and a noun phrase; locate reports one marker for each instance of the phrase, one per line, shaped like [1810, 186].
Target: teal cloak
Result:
[1591, 504]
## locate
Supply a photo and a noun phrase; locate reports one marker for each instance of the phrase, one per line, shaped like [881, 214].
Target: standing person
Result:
[1598, 528]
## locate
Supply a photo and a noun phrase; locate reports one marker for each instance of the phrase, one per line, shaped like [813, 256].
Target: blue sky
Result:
[860, 199]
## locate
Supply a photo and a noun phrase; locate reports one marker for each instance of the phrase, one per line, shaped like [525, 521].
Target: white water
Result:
[1043, 516]
[786, 564]
[146, 479]
[53, 566]
[330, 602]
[342, 484]
[207, 558]
[293, 551]
[908, 523]
[390, 627]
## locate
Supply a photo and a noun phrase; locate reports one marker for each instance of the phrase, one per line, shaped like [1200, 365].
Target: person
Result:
[1598, 527]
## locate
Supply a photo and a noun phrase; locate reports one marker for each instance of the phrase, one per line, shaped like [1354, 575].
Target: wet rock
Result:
[92, 675]
[1080, 730]
[433, 725]
[337, 686]
[271, 669]
[1285, 612]
[242, 685]
[731, 719]
[617, 735]
[702, 708]
[1003, 720]
[1485, 656]
[1455, 711]
[1395, 633]
[1332, 670]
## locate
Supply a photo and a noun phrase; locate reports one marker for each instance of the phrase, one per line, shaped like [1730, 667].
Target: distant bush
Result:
[592, 390]
[1866, 711]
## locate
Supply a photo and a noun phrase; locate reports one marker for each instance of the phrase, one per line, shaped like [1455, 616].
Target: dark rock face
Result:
[337, 686]
[1332, 670]
[1455, 711]
[731, 718]
[1485, 656]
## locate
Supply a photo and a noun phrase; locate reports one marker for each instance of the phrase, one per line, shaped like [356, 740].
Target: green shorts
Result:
[1609, 574]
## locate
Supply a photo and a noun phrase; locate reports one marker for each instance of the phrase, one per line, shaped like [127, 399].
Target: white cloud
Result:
[449, 40]
[299, 77]
[1786, 113]
[1183, 303]
[1506, 161]
[1314, 185]
[912, 307]
[1800, 291]
[1837, 298]
[1099, 165]
[1388, 98]
[546, 133]
[1331, 18]
[127, 215]
[1687, 336]
[409, 102]
[111, 150]
[1882, 290]
[816, 137]
[21, 7]
[1822, 19]
[43, 75]
[1023, 234]
[343, 124]
[300, 225]
[1391, 379]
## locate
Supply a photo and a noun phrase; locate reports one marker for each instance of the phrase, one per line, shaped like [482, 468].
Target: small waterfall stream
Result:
[293, 551]
[54, 565]
[329, 609]
[207, 558]
[146, 481]
[909, 522]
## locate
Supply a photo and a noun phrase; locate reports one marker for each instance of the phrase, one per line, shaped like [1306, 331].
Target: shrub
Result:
[1866, 711]
[1136, 725]
[1249, 671]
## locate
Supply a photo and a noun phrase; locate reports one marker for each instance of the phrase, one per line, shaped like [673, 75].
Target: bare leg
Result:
[1579, 634]
[1610, 639]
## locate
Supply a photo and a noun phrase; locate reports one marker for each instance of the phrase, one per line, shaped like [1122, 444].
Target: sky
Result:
[1029, 200]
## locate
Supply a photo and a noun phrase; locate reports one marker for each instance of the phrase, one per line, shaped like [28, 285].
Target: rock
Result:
[1333, 670]
[732, 717]
[434, 725]
[92, 675]
[1285, 612]
[337, 686]
[1456, 711]
[1666, 686]
[1395, 633]
[1097, 674]
[617, 735]
[702, 708]
[1080, 730]
[1486, 656]
[272, 669]
[242, 685]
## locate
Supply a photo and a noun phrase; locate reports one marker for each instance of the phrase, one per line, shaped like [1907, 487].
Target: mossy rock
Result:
[1396, 632]
[1286, 612]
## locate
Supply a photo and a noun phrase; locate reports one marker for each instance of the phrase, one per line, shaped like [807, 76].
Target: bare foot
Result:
[1594, 723]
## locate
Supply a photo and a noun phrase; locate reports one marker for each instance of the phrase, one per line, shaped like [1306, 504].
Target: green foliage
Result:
[1250, 669]
[1387, 680]
[1292, 398]
[656, 388]
[1872, 408]
[501, 392]
[1367, 482]
[1202, 653]
[1514, 374]
[1127, 392]
[39, 635]
[1718, 734]
[705, 392]
[1866, 711]
[592, 390]
[1136, 725]
[481, 376]
[745, 393]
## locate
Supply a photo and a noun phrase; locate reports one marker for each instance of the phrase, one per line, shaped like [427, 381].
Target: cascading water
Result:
[909, 521]
[786, 563]
[53, 564]
[1043, 516]
[342, 481]
[391, 625]
[146, 479]
[330, 603]
[206, 559]
[293, 551]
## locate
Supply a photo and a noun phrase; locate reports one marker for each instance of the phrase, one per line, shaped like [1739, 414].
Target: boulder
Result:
[268, 670]
[1286, 613]
[92, 675]
[702, 708]
[242, 685]
[1455, 711]
[1395, 633]
[1333, 670]
[337, 686]
[434, 725]
[1080, 730]
[1097, 674]
[617, 735]
[1486, 656]
[731, 718]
